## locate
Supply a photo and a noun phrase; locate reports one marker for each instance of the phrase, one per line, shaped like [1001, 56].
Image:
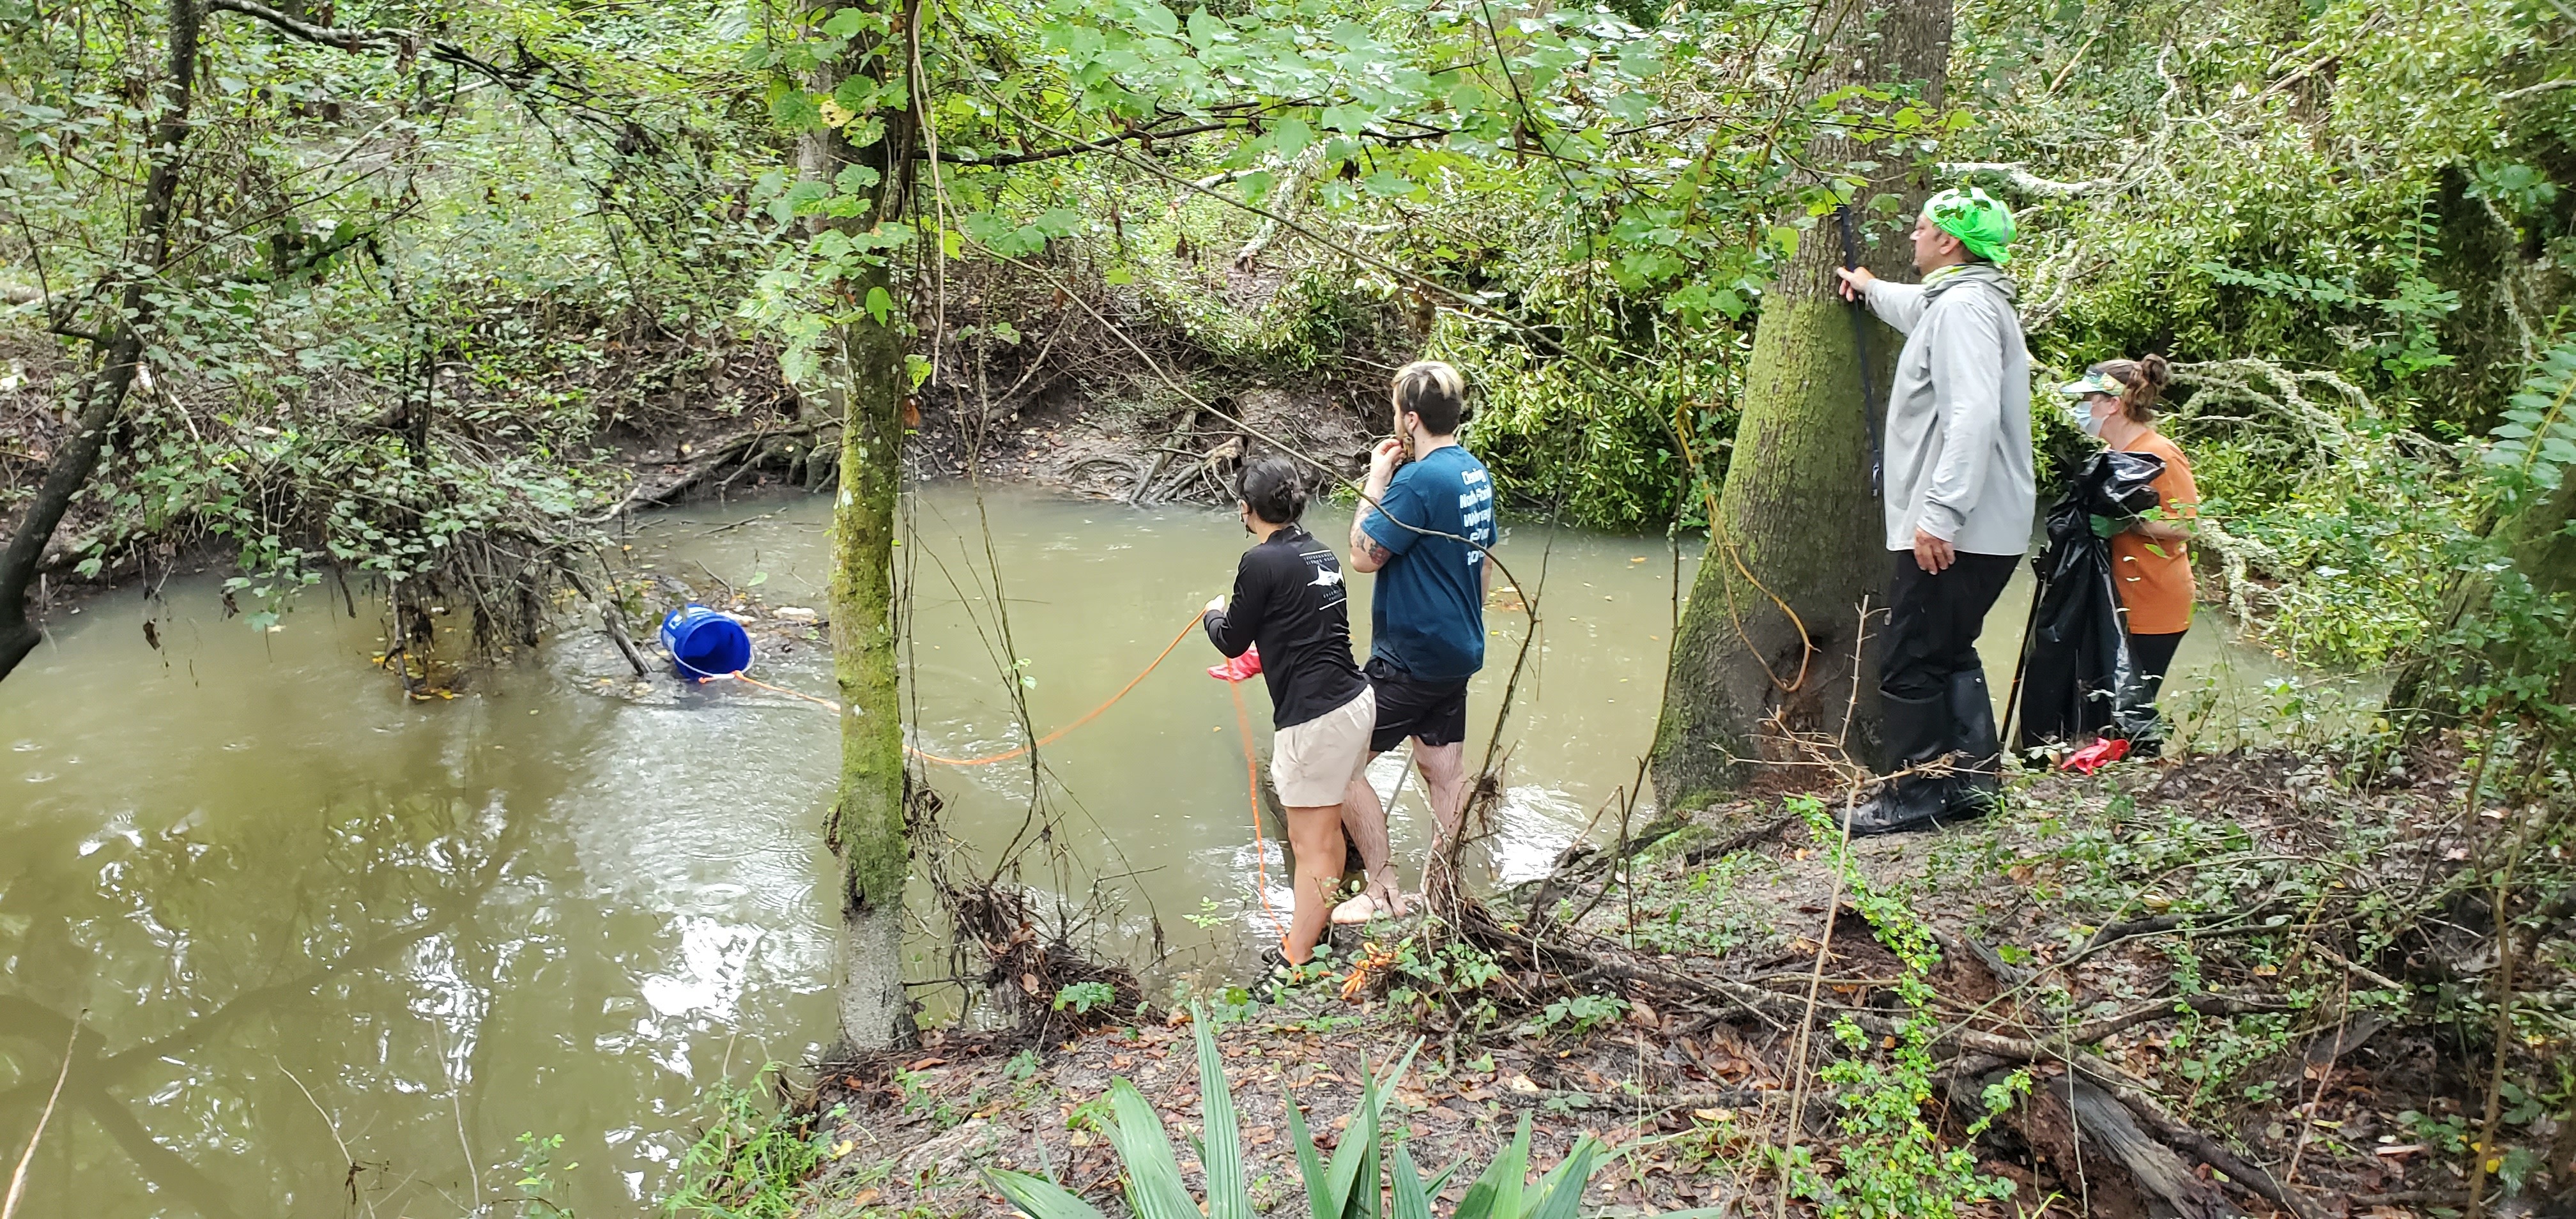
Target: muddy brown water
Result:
[302, 923]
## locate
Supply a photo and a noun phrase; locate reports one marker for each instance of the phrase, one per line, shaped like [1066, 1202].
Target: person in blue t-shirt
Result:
[1424, 530]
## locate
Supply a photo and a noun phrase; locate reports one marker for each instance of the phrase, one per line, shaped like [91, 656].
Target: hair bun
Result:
[2157, 371]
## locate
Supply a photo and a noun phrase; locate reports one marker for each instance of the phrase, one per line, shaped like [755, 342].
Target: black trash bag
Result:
[2078, 677]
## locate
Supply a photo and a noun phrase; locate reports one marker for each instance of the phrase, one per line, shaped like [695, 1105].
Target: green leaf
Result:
[1038, 1197]
[845, 23]
[1320, 1204]
[1412, 1198]
[880, 304]
[1206, 31]
[1222, 1151]
[856, 179]
[1561, 1190]
[1153, 1176]
[1291, 136]
[794, 109]
[757, 579]
[1155, 19]
[1344, 117]
[1497, 1194]
[1388, 184]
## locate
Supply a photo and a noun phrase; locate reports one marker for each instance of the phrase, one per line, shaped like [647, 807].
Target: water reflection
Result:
[299, 915]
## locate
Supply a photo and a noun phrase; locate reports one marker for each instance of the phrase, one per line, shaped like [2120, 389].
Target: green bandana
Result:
[1977, 219]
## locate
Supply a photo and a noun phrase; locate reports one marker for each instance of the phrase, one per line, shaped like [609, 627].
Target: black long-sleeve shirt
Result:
[1288, 598]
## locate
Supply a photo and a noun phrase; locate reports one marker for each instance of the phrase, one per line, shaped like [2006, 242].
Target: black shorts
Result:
[1435, 711]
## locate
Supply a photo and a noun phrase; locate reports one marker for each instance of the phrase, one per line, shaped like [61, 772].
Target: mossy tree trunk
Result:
[875, 843]
[863, 382]
[1797, 519]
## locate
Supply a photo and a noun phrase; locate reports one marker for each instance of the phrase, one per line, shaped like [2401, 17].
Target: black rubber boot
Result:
[1977, 785]
[1917, 732]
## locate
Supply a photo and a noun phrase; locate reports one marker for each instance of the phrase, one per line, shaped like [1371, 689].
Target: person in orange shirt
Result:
[2150, 555]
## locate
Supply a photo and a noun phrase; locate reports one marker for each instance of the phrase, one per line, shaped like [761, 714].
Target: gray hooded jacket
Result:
[1958, 416]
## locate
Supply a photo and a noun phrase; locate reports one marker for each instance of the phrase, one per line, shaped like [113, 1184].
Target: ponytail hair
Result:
[1270, 487]
[2142, 384]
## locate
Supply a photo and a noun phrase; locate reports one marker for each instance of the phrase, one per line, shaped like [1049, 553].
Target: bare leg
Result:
[1315, 845]
[1364, 819]
[1444, 773]
[1443, 778]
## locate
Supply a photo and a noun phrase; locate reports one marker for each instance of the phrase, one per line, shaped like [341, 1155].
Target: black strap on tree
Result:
[1860, 337]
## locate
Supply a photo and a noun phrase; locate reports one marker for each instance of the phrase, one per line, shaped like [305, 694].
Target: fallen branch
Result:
[1643, 1102]
[650, 495]
[2023, 180]
[1180, 436]
[18, 1179]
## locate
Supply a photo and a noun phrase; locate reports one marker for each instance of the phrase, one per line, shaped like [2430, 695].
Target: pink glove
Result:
[1241, 668]
[2095, 756]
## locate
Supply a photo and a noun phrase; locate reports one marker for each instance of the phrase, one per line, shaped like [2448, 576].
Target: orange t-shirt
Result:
[2156, 588]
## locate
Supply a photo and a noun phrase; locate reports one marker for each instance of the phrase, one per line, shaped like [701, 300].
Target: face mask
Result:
[2086, 419]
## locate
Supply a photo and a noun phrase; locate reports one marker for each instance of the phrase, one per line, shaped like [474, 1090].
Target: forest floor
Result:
[2168, 951]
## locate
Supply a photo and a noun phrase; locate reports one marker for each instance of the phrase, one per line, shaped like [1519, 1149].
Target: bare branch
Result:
[2021, 179]
[323, 35]
[2564, 82]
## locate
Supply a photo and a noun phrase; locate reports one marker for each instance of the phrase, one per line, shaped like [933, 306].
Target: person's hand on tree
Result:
[1932, 554]
[1856, 280]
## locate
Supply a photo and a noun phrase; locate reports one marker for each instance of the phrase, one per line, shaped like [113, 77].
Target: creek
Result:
[303, 923]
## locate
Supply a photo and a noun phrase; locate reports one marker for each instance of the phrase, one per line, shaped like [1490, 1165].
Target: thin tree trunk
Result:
[875, 846]
[121, 346]
[863, 380]
[1797, 520]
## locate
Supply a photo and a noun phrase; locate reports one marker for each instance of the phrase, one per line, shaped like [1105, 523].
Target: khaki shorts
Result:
[1313, 763]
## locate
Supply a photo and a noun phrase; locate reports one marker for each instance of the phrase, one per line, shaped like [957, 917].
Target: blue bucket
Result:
[705, 643]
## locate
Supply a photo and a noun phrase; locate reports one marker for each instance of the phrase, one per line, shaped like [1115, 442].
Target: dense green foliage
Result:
[418, 290]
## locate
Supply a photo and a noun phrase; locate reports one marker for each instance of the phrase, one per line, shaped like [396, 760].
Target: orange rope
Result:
[1087, 716]
[1005, 755]
[1252, 794]
[1242, 721]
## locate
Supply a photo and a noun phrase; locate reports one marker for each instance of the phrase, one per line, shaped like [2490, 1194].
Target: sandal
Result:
[1278, 977]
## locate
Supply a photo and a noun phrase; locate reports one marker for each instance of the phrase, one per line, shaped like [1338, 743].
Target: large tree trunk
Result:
[1797, 520]
[120, 343]
[863, 379]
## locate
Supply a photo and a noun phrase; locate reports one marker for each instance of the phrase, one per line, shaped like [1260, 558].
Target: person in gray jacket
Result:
[1960, 499]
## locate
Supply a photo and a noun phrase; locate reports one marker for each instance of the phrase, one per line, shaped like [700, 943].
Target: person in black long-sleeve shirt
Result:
[1289, 601]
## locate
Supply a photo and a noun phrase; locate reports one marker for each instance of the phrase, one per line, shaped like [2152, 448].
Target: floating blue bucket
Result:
[705, 643]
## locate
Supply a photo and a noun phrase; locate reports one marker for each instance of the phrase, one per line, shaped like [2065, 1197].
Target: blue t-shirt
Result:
[1427, 613]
